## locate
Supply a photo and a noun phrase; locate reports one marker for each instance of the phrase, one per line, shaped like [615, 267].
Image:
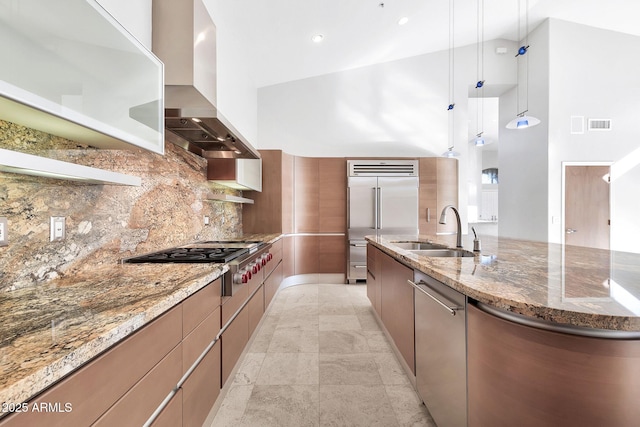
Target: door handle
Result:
[375, 208]
[571, 230]
[379, 208]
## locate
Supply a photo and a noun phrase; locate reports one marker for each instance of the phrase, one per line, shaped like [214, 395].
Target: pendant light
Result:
[452, 104]
[479, 139]
[522, 120]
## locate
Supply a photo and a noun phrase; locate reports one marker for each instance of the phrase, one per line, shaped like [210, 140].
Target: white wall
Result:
[594, 74]
[134, 15]
[398, 108]
[523, 159]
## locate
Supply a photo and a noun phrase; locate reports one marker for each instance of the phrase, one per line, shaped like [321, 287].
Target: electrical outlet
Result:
[57, 228]
[4, 230]
[206, 220]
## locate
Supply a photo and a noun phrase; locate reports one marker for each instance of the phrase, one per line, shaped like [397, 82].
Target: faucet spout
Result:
[443, 220]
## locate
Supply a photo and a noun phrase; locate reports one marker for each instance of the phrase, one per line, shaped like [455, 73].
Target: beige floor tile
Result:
[336, 307]
[408, 408]
[343, 342]
[299, 311]
[377, 342]
[368, 321]
[248, 371]
[390, 370]
[294, 340]
[348, 369]
[355, 405]
[282, 406]
[320, 358]
[289, 368]
[233, 406]
[339, 322]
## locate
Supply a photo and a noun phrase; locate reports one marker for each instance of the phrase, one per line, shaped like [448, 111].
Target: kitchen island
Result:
[549, 334]
[51, 330]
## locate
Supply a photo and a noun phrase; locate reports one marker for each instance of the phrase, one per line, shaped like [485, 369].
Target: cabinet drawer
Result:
[171, 415]
[272, 284]
[201, 389]
[231, 304]
[95, 387]
[194, 344]
[234, 339]
[200, 305]
[135, 407]
[256, 310]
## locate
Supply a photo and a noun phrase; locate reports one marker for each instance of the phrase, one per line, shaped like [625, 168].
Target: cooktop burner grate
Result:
[191, 254]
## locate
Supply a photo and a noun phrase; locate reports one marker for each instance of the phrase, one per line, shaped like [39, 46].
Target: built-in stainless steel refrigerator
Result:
[382, 198]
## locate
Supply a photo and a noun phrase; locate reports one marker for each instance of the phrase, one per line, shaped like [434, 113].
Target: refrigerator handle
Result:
[379, 224]
[348, 208]
[375, 208]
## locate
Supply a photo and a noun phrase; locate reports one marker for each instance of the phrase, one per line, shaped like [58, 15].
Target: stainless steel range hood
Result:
[184, 38]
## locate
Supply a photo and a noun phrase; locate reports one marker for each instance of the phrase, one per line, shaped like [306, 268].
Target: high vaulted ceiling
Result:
[276, 34]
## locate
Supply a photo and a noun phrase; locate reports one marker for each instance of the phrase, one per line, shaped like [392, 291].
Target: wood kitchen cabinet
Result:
[536, 377]
[201, 389]
[438, 188]
[233, 341]
[171, 415]
[255, 306]
[306, 197]
[274, 272]
[396, 306]
[306, 192]
[95, 387]
[373, 277]
[272, 210]
[127, 383]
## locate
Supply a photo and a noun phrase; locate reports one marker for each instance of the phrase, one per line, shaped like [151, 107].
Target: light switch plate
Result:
[57, 228]
[4, 230]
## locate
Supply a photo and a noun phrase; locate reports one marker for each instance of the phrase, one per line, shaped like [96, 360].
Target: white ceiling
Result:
[276, 34]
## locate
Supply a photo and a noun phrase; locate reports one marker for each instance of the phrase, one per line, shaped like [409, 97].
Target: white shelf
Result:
[228, 198]
[28, 164]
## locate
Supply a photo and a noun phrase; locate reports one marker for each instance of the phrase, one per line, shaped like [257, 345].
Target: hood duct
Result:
[184, 38]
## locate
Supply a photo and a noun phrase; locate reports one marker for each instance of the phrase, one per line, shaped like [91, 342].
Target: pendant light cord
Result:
[451, 73]
[480, 68]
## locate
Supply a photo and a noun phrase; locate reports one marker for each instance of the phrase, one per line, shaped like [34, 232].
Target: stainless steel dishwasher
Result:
[441, 354]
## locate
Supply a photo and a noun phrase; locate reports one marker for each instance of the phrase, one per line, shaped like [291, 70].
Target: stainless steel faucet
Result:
[443, 220]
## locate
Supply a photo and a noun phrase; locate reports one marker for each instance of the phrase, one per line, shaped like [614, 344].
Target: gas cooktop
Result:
[199, 252]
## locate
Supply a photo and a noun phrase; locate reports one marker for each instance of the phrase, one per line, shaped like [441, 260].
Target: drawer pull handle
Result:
[450, 308]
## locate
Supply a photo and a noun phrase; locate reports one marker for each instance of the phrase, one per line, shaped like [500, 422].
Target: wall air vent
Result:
[383, 167]
[599, 124]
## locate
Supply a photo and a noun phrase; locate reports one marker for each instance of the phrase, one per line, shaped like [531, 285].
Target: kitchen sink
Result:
[412, 246]
[443, 252]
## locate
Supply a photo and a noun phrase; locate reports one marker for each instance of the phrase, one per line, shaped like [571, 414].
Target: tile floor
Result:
[320, 359]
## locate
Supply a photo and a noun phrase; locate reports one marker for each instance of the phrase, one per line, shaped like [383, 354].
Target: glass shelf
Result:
[70, 69]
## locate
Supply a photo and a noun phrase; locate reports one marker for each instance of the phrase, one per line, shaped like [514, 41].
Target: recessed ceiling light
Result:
[317, 38]
[403, 20]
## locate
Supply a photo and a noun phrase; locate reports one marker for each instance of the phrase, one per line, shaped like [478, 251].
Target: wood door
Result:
[587, 206]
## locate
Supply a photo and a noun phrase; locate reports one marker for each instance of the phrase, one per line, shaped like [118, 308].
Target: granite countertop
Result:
[568, 285]
[47, 331]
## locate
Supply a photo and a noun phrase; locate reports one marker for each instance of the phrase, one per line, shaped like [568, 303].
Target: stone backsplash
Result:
[104, 223]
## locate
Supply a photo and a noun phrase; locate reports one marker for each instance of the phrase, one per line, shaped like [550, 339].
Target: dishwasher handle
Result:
[451, 308]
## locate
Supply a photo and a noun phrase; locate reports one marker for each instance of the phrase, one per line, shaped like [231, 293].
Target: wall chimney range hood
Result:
[184, 38]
